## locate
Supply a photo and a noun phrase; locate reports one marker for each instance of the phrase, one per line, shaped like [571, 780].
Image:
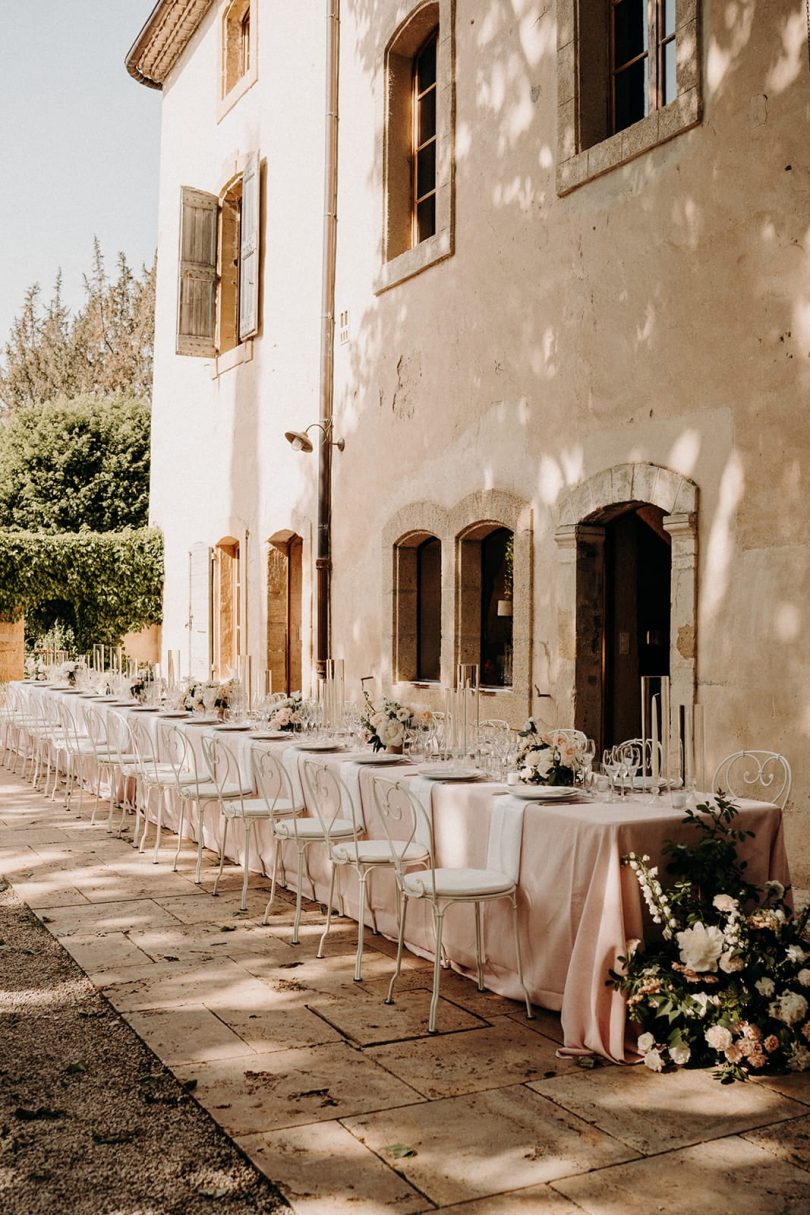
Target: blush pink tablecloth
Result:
[577, 904]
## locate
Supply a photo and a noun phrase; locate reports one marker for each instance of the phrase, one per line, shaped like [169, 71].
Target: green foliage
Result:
[112, 581]
[76, 464]
[710, 864]
[105, 349]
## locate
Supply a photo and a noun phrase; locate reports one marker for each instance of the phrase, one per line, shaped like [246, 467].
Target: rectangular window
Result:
[642, 59]
[218, 289]
[423, 205]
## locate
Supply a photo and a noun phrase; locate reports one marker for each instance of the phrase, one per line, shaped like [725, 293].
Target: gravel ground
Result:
[91, 1123]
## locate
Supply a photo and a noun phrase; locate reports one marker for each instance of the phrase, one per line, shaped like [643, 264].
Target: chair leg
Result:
[221, 858]
[438, 924]
[298, 895]
[158, 825]
[200, 835]
[276, 851]
[246, 862]
[145, 830]
[403, 907]
[179, 833]
[478, 962]
[362, 874]
[329, 905]
[529, 1009]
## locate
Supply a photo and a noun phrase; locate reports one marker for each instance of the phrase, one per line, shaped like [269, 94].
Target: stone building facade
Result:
[570, 362]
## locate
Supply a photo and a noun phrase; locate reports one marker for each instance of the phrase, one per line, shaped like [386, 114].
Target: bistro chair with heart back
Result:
[285, 811]
[334, 806]
[405, 819]
[764, 775]
[245, 806]
[195, 784]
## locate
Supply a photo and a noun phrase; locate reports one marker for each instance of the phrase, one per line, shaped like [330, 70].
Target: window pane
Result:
[426, 65]
[669, 90]
[427, 117]
[426, 170]
[429, 609]
[426, 218]
[496, 603]
[667, 18]
[629, 30]
[630, 95]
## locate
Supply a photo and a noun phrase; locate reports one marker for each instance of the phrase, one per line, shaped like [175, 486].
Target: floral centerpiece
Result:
[551, 758]
[286, 714]
[67, 673]
[385, 728]
[729, 982]
[35, 668]
[198, 697]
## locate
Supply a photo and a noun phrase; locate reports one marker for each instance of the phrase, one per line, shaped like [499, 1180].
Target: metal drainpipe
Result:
[323, 560]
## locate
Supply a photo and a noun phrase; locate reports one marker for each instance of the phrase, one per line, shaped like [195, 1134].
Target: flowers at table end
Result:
[554, 757]
[35, 669]
[67, 673]
[723, 981]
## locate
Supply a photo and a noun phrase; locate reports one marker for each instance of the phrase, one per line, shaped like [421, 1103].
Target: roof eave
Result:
[165, 35]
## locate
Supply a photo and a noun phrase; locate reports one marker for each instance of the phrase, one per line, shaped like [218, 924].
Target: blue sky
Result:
[80, 145]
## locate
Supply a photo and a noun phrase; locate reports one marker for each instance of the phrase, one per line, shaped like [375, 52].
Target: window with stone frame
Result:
[485, 628]
[417, 622]
[238, 45]
[628, 79]
[218, 273]
[418, 143]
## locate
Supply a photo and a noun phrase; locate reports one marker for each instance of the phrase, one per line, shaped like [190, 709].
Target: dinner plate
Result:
[325, 745]
[382, 757]
[203, 721]
[449, 772]
[145, 709]
[233, 725]
[174, 713]
[544, 793]
[271, 735]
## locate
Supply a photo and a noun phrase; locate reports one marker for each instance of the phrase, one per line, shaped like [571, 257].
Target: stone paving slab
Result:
[347, 1102]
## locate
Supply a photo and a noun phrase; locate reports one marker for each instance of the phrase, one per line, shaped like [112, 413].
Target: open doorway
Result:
[284, 575]
[624, 566]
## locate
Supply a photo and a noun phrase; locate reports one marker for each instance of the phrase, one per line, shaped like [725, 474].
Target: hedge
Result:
[113, 580]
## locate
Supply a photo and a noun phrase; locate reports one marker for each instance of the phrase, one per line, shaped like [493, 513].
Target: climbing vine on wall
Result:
[112, 580]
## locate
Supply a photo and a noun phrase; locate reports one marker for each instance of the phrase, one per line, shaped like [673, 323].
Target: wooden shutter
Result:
[249, 251]
[199, 610]
[197, 286]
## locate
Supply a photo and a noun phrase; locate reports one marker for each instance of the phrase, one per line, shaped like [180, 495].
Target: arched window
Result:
[485, 602]
[417, 622]
[423, 198]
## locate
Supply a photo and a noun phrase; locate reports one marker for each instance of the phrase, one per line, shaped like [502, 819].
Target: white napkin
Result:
[506, 835]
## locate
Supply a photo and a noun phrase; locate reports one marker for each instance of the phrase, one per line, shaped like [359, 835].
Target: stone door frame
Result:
[581, 510]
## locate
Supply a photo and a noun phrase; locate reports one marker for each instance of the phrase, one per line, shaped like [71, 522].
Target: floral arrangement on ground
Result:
[728, 984]
[551, 758]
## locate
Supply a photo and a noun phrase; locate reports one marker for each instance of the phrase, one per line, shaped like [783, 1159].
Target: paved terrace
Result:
[349, 1106]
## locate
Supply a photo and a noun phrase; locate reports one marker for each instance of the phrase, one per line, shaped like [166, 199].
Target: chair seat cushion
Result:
[377, 852]
[457, 883]
[257, 807]
[208, 788]
[311, 829]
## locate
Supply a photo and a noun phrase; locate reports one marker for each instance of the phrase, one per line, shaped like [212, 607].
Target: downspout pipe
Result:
[323, 559]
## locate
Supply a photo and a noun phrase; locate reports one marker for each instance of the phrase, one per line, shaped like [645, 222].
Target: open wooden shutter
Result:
[199, 610]
[249, 252]
[197, 287]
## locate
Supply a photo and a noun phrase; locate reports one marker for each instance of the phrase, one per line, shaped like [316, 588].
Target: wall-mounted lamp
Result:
[299, 440]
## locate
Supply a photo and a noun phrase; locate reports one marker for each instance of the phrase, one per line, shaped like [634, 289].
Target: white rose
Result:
[775, 889]
[804, 977]
[718, 1037]
[795, 953]
[533, 758]
[730, 962]
[765, 987]
[790, 1008]
[680, 1054]
[645, 1043]
[799, 1060]
[724, 902]
[700, 947]
[391, 734]
[404, 715]
[544, 762]
[653, 1061]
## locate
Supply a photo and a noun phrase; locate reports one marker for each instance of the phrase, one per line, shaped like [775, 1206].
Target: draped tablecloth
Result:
[577, 904]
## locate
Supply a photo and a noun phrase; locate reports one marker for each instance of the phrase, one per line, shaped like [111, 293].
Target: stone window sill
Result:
[226, 103]
[243, 353]
[413, 261]
[657, 128]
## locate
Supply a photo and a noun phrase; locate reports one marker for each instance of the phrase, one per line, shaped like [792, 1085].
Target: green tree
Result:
[69, 466]
[105, 349]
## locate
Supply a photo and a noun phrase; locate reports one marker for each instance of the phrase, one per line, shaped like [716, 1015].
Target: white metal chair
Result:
[109, 741]
[764, 775]
[404, 819]
[285, 812]
[334, 804]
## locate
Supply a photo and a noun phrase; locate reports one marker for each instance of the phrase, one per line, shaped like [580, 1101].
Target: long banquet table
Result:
[577, 903]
